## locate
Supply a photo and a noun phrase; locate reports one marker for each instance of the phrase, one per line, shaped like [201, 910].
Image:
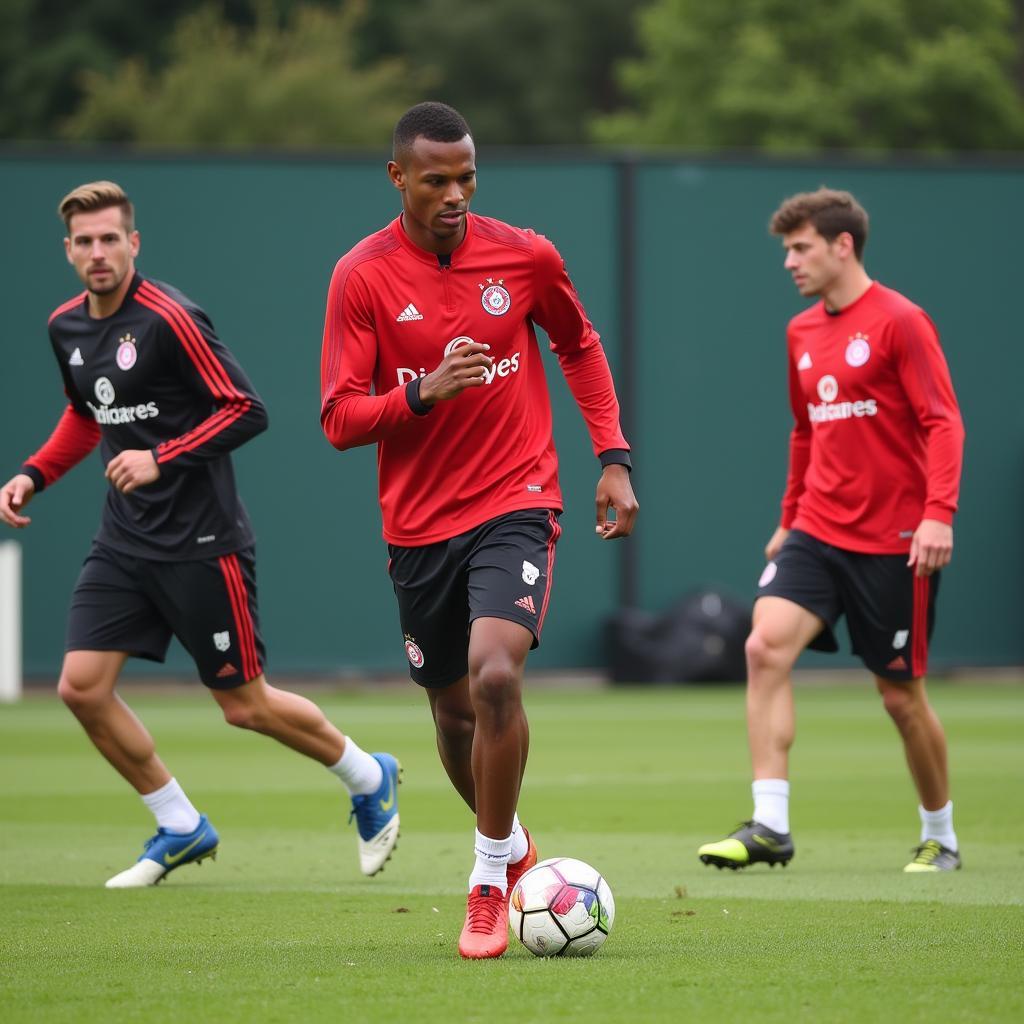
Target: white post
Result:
[10, 620]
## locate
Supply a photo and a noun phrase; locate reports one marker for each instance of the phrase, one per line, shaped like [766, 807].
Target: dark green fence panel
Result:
[254, 241]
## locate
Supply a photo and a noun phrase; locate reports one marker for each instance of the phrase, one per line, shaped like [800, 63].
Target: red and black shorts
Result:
[890, 611]
[125, 603]
[500, 569]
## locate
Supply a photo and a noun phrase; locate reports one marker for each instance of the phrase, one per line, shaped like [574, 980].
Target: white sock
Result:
[520, 844]
[359, 771]
[938, 825]
[771, 804]
[173, 810]
[492, 857]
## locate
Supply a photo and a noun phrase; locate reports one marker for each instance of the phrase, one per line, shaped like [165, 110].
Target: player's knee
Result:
[243, 715]
[495, 684]
[900, 704]
[763, 653]
[79, 691]
[455, 724]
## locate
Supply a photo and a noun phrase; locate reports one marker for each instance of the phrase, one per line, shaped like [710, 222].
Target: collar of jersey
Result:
[430, 258]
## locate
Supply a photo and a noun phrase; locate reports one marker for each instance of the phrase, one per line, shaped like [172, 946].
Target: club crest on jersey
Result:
[494, 297]
[222, 641]
[126, 352]
[412, 650]
[858, 352]
[104, 390]
[828, 388]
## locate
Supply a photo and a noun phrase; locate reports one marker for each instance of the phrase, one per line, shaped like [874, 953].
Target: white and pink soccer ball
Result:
[561, 907]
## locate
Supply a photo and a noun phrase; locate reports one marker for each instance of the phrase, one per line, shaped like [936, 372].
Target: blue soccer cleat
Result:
[166, 851]
[376, 817]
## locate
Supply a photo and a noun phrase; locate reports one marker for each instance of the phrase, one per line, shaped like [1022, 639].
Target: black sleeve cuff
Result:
[37, 477]
[616, 457]
[412, 396]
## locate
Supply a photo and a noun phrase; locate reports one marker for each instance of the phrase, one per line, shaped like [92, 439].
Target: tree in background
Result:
[287, 81]
[791, 77]
[521, 71]
[45, 45]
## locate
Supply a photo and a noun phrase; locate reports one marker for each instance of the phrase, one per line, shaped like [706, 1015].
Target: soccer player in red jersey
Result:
[430, 351]
[874, 475]
[149, 381]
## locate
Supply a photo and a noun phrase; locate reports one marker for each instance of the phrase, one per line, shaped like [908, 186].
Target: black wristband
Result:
[412, 396]
[37, 478]
[616, 457]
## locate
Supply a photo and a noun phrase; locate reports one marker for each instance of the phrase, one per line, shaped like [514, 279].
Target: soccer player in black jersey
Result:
[149, 381]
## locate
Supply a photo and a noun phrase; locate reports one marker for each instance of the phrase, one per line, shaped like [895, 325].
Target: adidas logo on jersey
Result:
[409, 313]
[527, 603]
[805, 362]
[76, 358]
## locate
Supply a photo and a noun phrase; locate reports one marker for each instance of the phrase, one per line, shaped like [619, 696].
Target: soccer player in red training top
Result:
[149, 381]
[436, 314]
[874, 474]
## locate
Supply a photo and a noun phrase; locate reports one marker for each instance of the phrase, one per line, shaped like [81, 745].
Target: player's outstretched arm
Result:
[615, 491]
[464, 368]
[132, 468]
[774, 546]
[931, 547]
[14, 496]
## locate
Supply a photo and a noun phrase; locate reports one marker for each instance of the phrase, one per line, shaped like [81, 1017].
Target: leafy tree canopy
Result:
[792, 77]
[286, 82]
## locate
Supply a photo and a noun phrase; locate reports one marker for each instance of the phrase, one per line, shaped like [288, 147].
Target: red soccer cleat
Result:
[517, 870]
[485, 933]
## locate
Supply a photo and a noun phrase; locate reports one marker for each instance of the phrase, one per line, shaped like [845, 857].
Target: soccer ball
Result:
[561, 907]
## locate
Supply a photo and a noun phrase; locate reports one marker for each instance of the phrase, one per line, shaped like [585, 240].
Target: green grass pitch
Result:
[284, 928]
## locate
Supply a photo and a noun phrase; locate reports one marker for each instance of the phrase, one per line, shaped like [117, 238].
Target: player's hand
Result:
[14, 496]
[931, 547]
[464, 368]
[615, 491]
[774, 546]
[131, 469]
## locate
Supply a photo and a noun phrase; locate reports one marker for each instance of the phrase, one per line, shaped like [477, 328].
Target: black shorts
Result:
[500, 569]
[890, 611]
[125, 603]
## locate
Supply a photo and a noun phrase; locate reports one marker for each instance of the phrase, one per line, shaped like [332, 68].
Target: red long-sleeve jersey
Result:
[394, 311]
[877, 444]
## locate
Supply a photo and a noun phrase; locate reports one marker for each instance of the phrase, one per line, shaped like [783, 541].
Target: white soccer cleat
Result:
[375, 853]
[139, 875]
[376, 817]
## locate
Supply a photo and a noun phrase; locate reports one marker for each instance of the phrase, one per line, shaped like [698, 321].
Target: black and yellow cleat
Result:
[749, 844]
[931, 855]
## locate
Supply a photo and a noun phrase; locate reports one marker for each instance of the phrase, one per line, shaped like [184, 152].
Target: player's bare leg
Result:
[371, 779]
[183, 836]
[501, 740]
[924, 743]
[286, 717]
[781, 630]
[924, 740]
[86, 686]
[455, 724]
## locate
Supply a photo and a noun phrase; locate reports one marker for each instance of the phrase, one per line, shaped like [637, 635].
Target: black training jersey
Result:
[155, 376]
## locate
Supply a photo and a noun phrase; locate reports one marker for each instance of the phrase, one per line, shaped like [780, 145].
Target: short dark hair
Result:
[434, 121]
[830, 211]
[97, 195]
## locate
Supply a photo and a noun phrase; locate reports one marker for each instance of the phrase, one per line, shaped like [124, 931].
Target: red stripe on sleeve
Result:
[218, 422]
[72, 439]
[209, 366]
